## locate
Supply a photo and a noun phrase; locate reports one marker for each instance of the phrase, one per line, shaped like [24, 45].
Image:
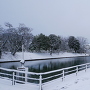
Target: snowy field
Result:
[71, 82]
[28, 55]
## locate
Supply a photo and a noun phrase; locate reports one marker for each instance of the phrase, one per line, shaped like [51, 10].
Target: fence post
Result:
[86, 68]
[76, 70]
[40, 82]
[13, 80]
[63, 75]
[26, 75]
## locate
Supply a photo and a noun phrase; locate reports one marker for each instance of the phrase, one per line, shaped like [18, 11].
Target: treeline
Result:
[55, 44]
[12, 39]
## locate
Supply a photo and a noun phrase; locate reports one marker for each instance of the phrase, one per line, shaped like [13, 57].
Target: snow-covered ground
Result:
[28, 55]
[71, 82]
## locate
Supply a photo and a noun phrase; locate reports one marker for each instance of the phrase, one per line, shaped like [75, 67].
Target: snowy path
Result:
[7, 85]
[71, 82]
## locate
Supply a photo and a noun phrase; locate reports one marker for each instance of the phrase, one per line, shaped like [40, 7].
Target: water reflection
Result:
[48, 65]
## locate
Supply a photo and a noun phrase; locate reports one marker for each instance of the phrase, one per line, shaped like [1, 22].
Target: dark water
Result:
[48, 65]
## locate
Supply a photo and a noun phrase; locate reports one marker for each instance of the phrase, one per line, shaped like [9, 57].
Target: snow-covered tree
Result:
[54, 43]
[73, 43]
[83, 42]
[16, 37]
[39, 43]
[26, 34]
[2, 41]
[64, 44]
[7, 24]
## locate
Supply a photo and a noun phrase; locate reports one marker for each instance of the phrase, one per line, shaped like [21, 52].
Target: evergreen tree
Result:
[39, 43]
[73, 43]
[54, 43]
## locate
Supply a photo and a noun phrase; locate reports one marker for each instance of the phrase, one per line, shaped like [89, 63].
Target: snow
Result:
[71, 82]
[7, 85]
[27, 56]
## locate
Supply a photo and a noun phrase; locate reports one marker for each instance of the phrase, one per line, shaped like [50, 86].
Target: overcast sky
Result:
[60, 17]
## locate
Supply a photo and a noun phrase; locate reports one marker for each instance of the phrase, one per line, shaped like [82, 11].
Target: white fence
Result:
[40, 78]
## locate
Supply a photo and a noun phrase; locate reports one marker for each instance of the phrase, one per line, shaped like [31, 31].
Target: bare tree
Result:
[7, 24]
[83, 42]
[26, 34]
[2, 42]
[64, 44]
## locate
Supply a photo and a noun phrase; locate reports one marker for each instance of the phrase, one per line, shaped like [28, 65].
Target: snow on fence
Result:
[17, 76]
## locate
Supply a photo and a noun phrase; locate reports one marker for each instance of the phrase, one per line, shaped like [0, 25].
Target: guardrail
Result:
[40, 79]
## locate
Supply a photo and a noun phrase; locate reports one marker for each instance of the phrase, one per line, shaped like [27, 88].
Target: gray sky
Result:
[60, 17]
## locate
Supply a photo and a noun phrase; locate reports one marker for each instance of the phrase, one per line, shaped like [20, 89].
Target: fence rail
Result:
[40, 79]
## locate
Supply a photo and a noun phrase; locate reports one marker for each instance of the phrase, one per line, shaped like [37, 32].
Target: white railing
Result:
[17, 76]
